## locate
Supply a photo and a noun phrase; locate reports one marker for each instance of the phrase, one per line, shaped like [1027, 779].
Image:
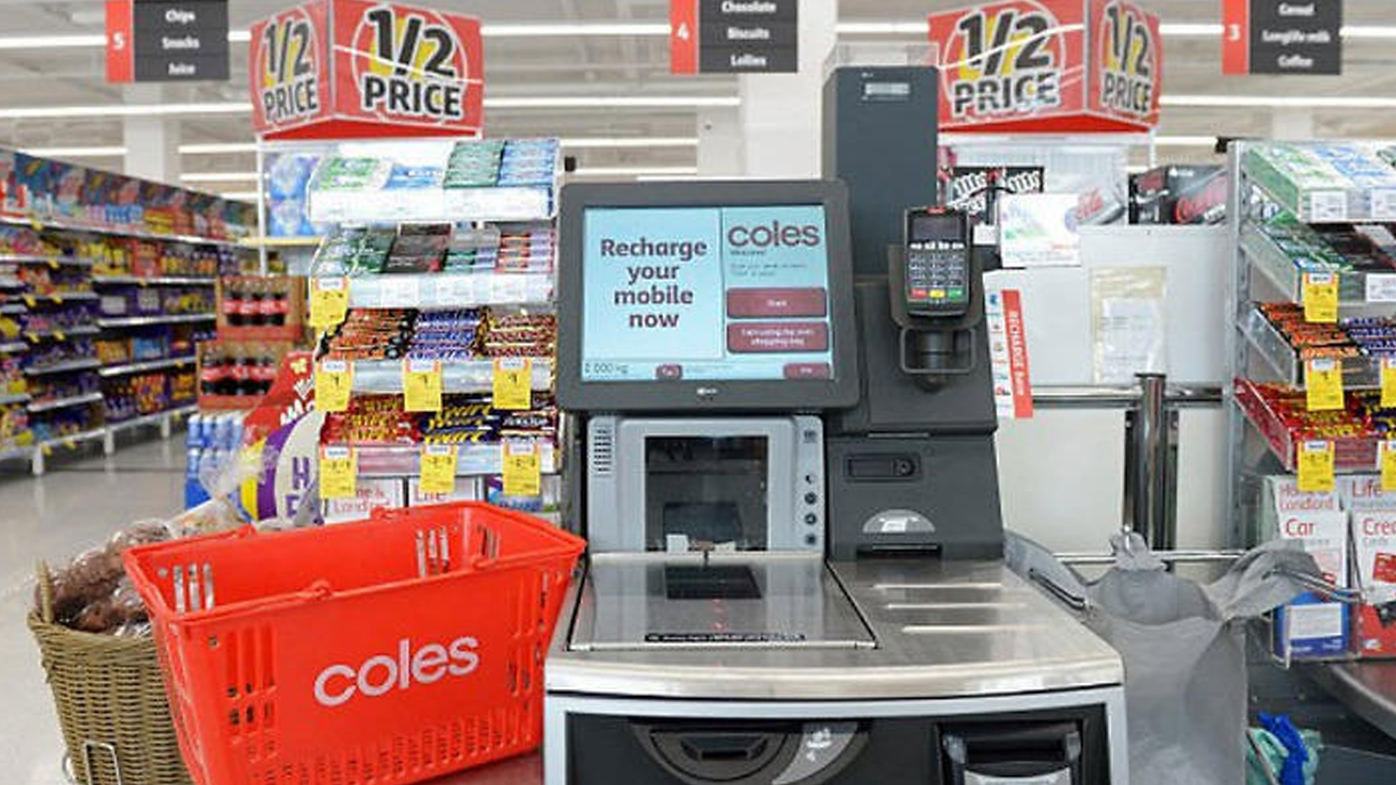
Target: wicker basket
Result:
[110, 697]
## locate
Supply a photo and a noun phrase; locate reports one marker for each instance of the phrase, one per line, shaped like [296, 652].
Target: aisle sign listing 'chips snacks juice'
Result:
[1310, 627]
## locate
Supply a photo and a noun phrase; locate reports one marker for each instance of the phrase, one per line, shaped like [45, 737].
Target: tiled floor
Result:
[75, 506]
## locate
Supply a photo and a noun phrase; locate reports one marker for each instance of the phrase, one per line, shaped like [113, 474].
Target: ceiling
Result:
[638, 65]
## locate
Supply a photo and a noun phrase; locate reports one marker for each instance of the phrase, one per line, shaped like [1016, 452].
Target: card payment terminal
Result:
[936, 244]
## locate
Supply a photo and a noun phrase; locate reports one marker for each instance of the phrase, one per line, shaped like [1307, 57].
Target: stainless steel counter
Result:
[942, 629]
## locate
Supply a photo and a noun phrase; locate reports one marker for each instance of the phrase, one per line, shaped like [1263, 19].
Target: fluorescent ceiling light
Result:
[241, 196]
[1185, 141]
[570, 30]
[1181, 29]
[636, 171]
[918, 27]
[52, 41]
[1279, 101]
[122, 110]
[611, 102]
[627, 142]
[113, 151]
[220, 177]
[218, 148]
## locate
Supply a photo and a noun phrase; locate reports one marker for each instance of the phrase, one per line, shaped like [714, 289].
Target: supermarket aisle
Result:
[53, 517]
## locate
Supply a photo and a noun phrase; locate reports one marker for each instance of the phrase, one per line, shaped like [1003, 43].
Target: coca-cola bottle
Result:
[232, 302]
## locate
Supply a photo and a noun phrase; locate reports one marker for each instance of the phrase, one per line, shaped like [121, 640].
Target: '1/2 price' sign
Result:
[733, 36]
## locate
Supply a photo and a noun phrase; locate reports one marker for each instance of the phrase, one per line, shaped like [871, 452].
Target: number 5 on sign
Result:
[1315, 467]
[523, 469]
[339, 472]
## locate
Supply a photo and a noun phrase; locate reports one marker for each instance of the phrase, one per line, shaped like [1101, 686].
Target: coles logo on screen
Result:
[381, 674]
[761, 237]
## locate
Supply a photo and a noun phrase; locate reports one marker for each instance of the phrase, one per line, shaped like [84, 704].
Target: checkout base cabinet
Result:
[939, 742]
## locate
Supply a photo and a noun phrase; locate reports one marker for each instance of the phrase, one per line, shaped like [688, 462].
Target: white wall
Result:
[1061, 473]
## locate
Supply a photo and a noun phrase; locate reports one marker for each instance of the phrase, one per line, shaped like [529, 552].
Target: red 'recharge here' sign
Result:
[1054, 66]
[353, 68]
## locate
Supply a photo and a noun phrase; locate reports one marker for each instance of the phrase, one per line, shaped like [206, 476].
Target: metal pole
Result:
[1149, 447]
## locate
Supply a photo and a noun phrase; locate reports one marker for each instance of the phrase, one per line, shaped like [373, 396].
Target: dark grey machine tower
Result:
[880, 139]
[911, 469]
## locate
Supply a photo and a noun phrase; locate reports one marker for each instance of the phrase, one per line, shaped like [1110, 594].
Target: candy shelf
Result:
[154, 418]
[59, 297]
[60, 225]
[384, 377]
[109, 323]
[145, 366]
[8, 400]
[162, 280]
[450, 290]
[52, 261]
[62, 334]
[1351, 454]
[377, 460]
[36, 407]
[485, 204]
[10, 309]
[84, 364]
[1270, 345]
[1322, 182]
[13, 346]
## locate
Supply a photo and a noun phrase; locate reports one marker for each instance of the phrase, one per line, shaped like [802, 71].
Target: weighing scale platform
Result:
[873, 629]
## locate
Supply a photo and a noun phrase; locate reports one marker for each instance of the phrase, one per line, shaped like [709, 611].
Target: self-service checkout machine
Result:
[790, 495]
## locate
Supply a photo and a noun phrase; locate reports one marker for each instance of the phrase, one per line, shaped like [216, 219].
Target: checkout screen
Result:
[706, 293]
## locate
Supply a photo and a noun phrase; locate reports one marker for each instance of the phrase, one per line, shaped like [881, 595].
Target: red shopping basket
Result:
[387, 651]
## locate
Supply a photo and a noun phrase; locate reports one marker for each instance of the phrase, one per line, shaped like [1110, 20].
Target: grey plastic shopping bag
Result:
[1183, 646]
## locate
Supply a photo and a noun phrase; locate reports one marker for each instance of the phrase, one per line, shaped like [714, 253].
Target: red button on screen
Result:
[778, 302]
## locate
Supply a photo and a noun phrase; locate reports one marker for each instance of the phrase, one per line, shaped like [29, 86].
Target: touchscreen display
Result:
[706, 293]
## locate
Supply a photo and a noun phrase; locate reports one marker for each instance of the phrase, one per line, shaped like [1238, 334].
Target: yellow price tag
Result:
[1315, 467]
[1388, 382]
[53, 263]
[421, 385]
[58, 298]
[523, 469]
[334, 381]
[1320, 296]
[30, 301]
[329, 301]
[59, 336]
[1323, 384]
[438, 468]
[1387, 460]
[513, 383]
[339, 472]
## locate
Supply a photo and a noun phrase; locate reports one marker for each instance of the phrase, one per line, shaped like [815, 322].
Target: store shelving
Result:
[158, 280]
[52, 261]
[61, 334]
[1322, 183]
[83, 364]
[384, 377]
[13, 398]
[114, 322]
[145, 366]
[80, 227]
[450, 290]
[58, 298]
[10, 347]
[35, 407]
[500, 257]
[471, 459]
